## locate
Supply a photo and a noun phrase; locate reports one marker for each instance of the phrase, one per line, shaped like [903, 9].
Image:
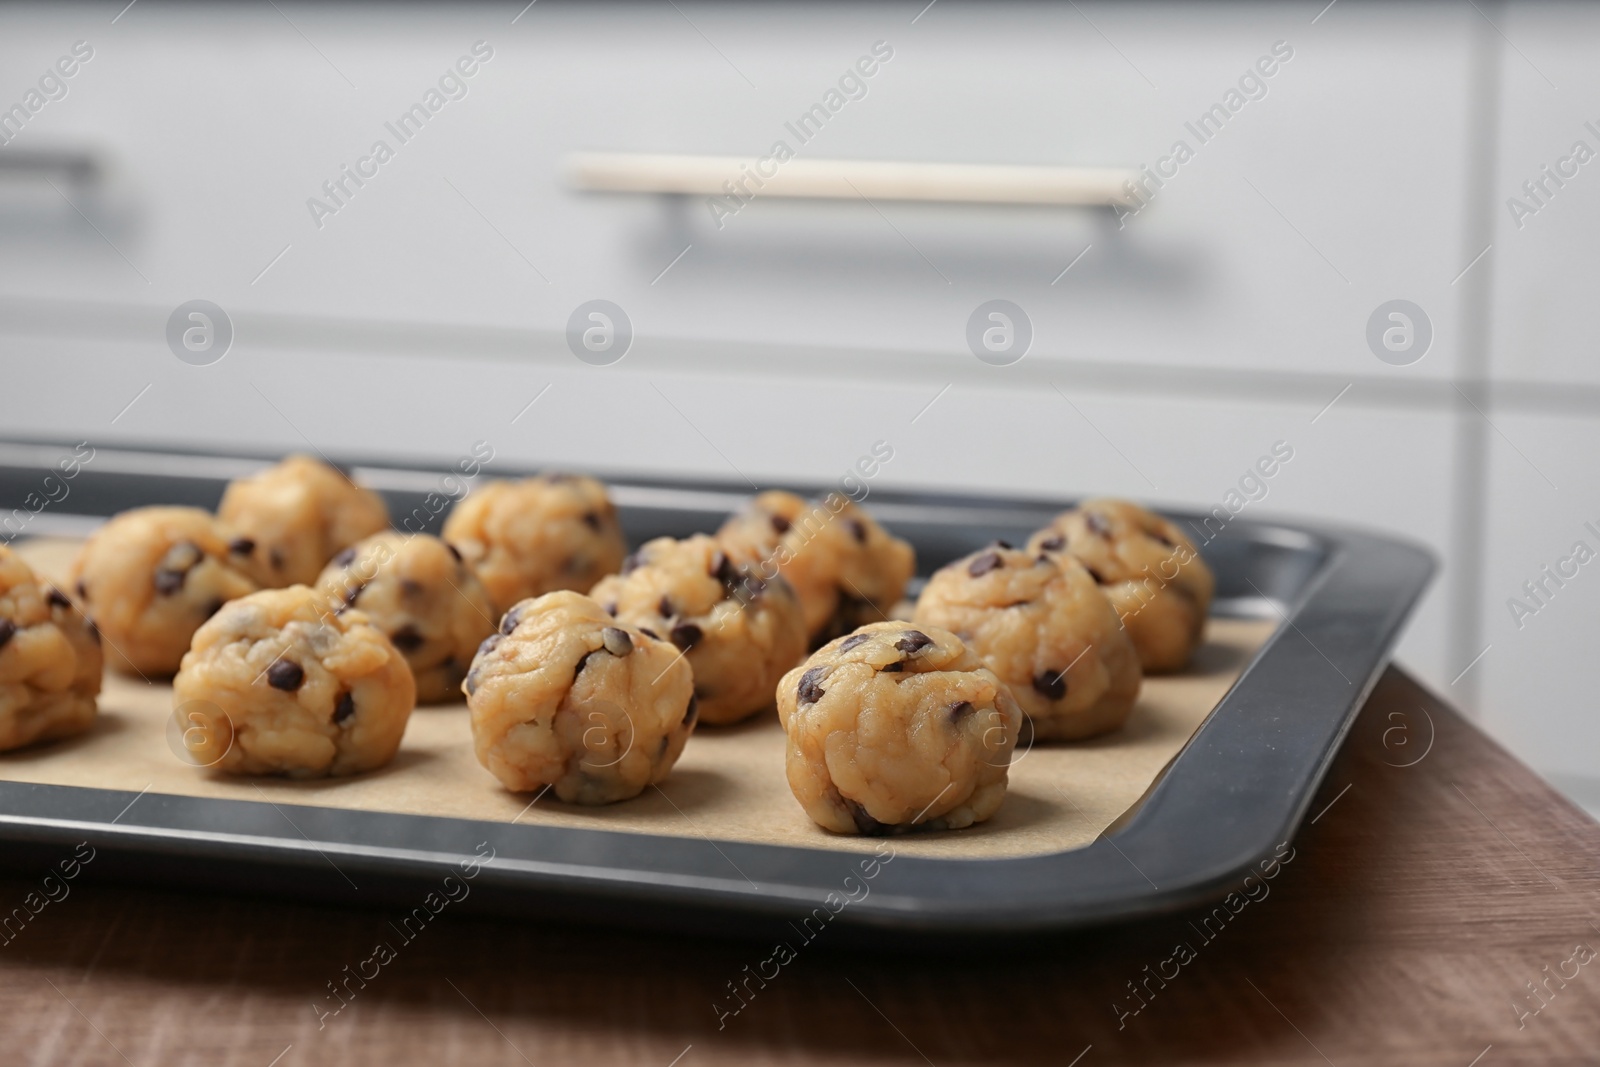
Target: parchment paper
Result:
[729, 785]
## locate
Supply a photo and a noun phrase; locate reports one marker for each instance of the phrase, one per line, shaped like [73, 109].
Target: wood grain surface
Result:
[1420, 901]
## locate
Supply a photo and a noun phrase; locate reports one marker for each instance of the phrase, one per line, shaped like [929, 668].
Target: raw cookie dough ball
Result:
[49, 659]
[845, 568]
[1046, 629]
[1151, 572]
[150, 577]
[534, 536]
[289, 520]
[897, 726]
[566, 696]
[282, 685]
[416, 589]
[741, 633]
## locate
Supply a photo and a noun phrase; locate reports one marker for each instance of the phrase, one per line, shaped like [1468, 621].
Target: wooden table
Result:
[1420, 902]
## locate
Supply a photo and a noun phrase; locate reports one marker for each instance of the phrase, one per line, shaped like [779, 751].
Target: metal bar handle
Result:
[79, 166]
[848, 179]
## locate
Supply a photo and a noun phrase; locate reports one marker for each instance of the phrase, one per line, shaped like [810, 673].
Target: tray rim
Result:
[1356, 600]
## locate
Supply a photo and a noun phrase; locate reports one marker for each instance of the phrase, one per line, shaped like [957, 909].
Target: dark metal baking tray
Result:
[1236, 791]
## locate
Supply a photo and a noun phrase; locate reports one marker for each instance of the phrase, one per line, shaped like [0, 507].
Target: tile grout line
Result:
[1470, 448]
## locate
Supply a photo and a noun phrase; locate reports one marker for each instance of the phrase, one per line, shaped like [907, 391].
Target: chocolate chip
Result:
[661, 749]
[1041, 558]
[57, 599]
[591, 520]
[168, 582]
[410, 587]
[275, 557]
[1053, 544]
[722, 569]
[865, 823]
[1163, 538]
[617, 642]
[859, 529]
[611, 609]
[583, 661]
[960, 710]
[345, 708]
[352, 593]
[853, 640]
[1052, 684]
[984, 564]
[286, 675]
[242, 546]
[1097, 524]
[8, 629]
[509, 620]
[913, 641]
[780, 524]
[664, 607]
[891, 668]
[1002, 544]
[1099, 579]
[407, 638]
[470, 684]
[692, 712]
[686, 635]
[632, 563]
[83, 590]
[490, 643]
[808, 690]
[652, 633]
[454, 551]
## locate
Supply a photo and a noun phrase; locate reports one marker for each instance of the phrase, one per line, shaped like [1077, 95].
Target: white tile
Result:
[1545, 268]
[1541, 672]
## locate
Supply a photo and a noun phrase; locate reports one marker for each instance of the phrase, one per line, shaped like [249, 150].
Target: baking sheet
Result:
[729, 784]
